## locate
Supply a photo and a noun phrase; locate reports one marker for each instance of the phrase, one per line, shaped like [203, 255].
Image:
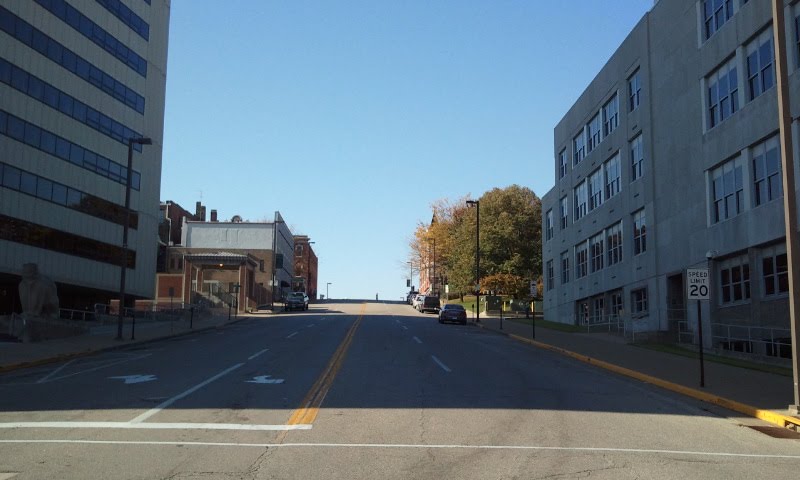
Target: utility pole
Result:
[789, 198]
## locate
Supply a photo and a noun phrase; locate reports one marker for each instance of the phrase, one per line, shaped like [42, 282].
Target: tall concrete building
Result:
[670, 160]
[78, 79]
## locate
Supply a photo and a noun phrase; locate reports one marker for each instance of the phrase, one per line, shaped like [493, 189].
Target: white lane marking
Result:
[439, 362]
[310, 325]
[54, 372]
[265, 379]
[7, 476]
[129, 379]
[156, 426]
[398, 445]
[404, 327]
[166, 403]
[292, 335]
[105, 365]
[417, 340]
[257, 354]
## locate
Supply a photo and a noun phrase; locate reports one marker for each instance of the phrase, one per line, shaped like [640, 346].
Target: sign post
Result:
[697, 289]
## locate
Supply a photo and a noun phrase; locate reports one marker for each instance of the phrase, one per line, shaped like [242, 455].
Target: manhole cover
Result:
[777, 432]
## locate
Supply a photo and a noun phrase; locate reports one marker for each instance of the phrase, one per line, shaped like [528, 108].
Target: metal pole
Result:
[274, 246]
[789, 200]
[124, 258]
[533, 321]
[435, 292]
[133, 326]
[700, 338]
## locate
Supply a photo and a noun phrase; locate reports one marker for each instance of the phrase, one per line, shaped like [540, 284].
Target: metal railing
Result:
[756, 340]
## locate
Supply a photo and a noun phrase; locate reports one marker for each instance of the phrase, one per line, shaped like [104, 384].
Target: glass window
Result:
[11, 177]
[767, 171]
[562, 163]
[33, 134]
[715, 14]
[578, 148]
[639, 301]
[775, 271]
[550, 275]
[596, 248]
[62, 148]
[639, 232]
[637, 157]
[548, 222]
[19, 80]
[723, 91]
[73, 198]
[596, 189]
[564, 208]
[727, 190]
[50, 96]
[593, 128]
[734, 280]
[16, 128]
[48, 142]
[611, 115]
[65, 103]
[634, 90]
[581, 200]
[44, 189]
[614, 244]
[76, 154]
[564, 267]
[59, 194]
[760, 65]
[27, 183]
[581, 259]
[612, 170]
[3, 121]
[35, 87]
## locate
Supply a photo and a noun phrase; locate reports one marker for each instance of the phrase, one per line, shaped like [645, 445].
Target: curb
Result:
[774, 418]
[83, 353]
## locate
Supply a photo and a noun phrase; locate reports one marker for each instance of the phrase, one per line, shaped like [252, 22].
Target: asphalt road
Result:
[359, 391]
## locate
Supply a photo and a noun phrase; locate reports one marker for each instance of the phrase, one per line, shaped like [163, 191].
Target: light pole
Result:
[789, 197]
[477, 205]
[327, 292]
[124, 257]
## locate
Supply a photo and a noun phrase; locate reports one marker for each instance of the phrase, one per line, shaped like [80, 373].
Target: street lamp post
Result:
[124, 257]
[327, 292]
[477, 205]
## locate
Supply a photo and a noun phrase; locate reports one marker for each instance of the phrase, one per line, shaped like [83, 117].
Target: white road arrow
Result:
[135, 378]
[265, 379]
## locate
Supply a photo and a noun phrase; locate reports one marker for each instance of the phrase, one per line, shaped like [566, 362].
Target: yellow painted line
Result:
[762, 414]
[309, 407]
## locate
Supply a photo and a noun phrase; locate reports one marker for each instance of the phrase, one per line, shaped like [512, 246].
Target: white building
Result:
[77, 80]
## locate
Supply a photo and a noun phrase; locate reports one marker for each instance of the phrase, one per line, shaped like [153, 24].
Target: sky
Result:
[352, 117]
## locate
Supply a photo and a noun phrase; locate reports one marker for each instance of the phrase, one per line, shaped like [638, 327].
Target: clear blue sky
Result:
[352, 117]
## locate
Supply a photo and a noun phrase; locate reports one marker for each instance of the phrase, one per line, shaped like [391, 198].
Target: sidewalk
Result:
[761, 390]
[19, 355]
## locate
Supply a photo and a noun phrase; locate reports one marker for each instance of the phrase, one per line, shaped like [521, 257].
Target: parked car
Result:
[296, 301]
[430, 304]
[453, 312]
[410, 297]
[417, 300]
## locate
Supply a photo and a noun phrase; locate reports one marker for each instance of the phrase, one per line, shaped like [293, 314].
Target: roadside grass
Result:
[734, 362]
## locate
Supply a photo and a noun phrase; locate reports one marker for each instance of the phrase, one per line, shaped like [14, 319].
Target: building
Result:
[305, 267]
[670, 160]
[77, 81]
[223, 260]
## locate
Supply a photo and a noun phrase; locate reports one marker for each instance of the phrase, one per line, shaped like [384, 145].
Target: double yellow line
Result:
[309, 408]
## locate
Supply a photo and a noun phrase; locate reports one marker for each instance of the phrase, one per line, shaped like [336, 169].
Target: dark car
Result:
[296, 301]
[429, 303]
[453, 312]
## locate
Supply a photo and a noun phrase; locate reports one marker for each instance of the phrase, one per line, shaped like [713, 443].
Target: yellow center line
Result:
[309, 407]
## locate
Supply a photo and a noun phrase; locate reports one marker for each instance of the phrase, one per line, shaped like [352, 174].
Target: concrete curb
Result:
[775, 418]
[89, 351]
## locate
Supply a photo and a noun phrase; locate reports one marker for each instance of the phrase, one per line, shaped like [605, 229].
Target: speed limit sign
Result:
[697, 283]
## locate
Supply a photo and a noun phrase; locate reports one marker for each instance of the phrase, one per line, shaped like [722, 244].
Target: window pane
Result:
[16, 128]
[59, 194]
[11, 177]
[27, 183]
[44, 188]
[47, 142]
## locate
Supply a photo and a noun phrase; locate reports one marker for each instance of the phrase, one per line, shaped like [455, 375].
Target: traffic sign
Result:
[697, 283]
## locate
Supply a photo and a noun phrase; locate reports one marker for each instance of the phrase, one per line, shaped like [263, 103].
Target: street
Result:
[359, 391]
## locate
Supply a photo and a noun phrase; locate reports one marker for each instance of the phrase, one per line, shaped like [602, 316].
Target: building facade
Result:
[77, 81]
[670, 160]
[305, 267]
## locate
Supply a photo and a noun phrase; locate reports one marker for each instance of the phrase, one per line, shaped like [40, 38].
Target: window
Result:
[760, 65]
[578, 148]
[564, 207]
[596, 248]
[797, 37]
[775, 271]
[565, 267]
[727, 190]
[616, 304]
[298, 250]
[614, 244]
[548, 225]
[581, 200]
[715, 14]
[550, 275]
[126, 15]
[594, 132]
[598, 310]
[562, 163]
[639, 233]
[634, 90]
[611, 115]
[639, 301]
[613, 170]
[581, 259]
[767, 171]
[637, 157]
[734, 280]
[723, 91]
[596, 189]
